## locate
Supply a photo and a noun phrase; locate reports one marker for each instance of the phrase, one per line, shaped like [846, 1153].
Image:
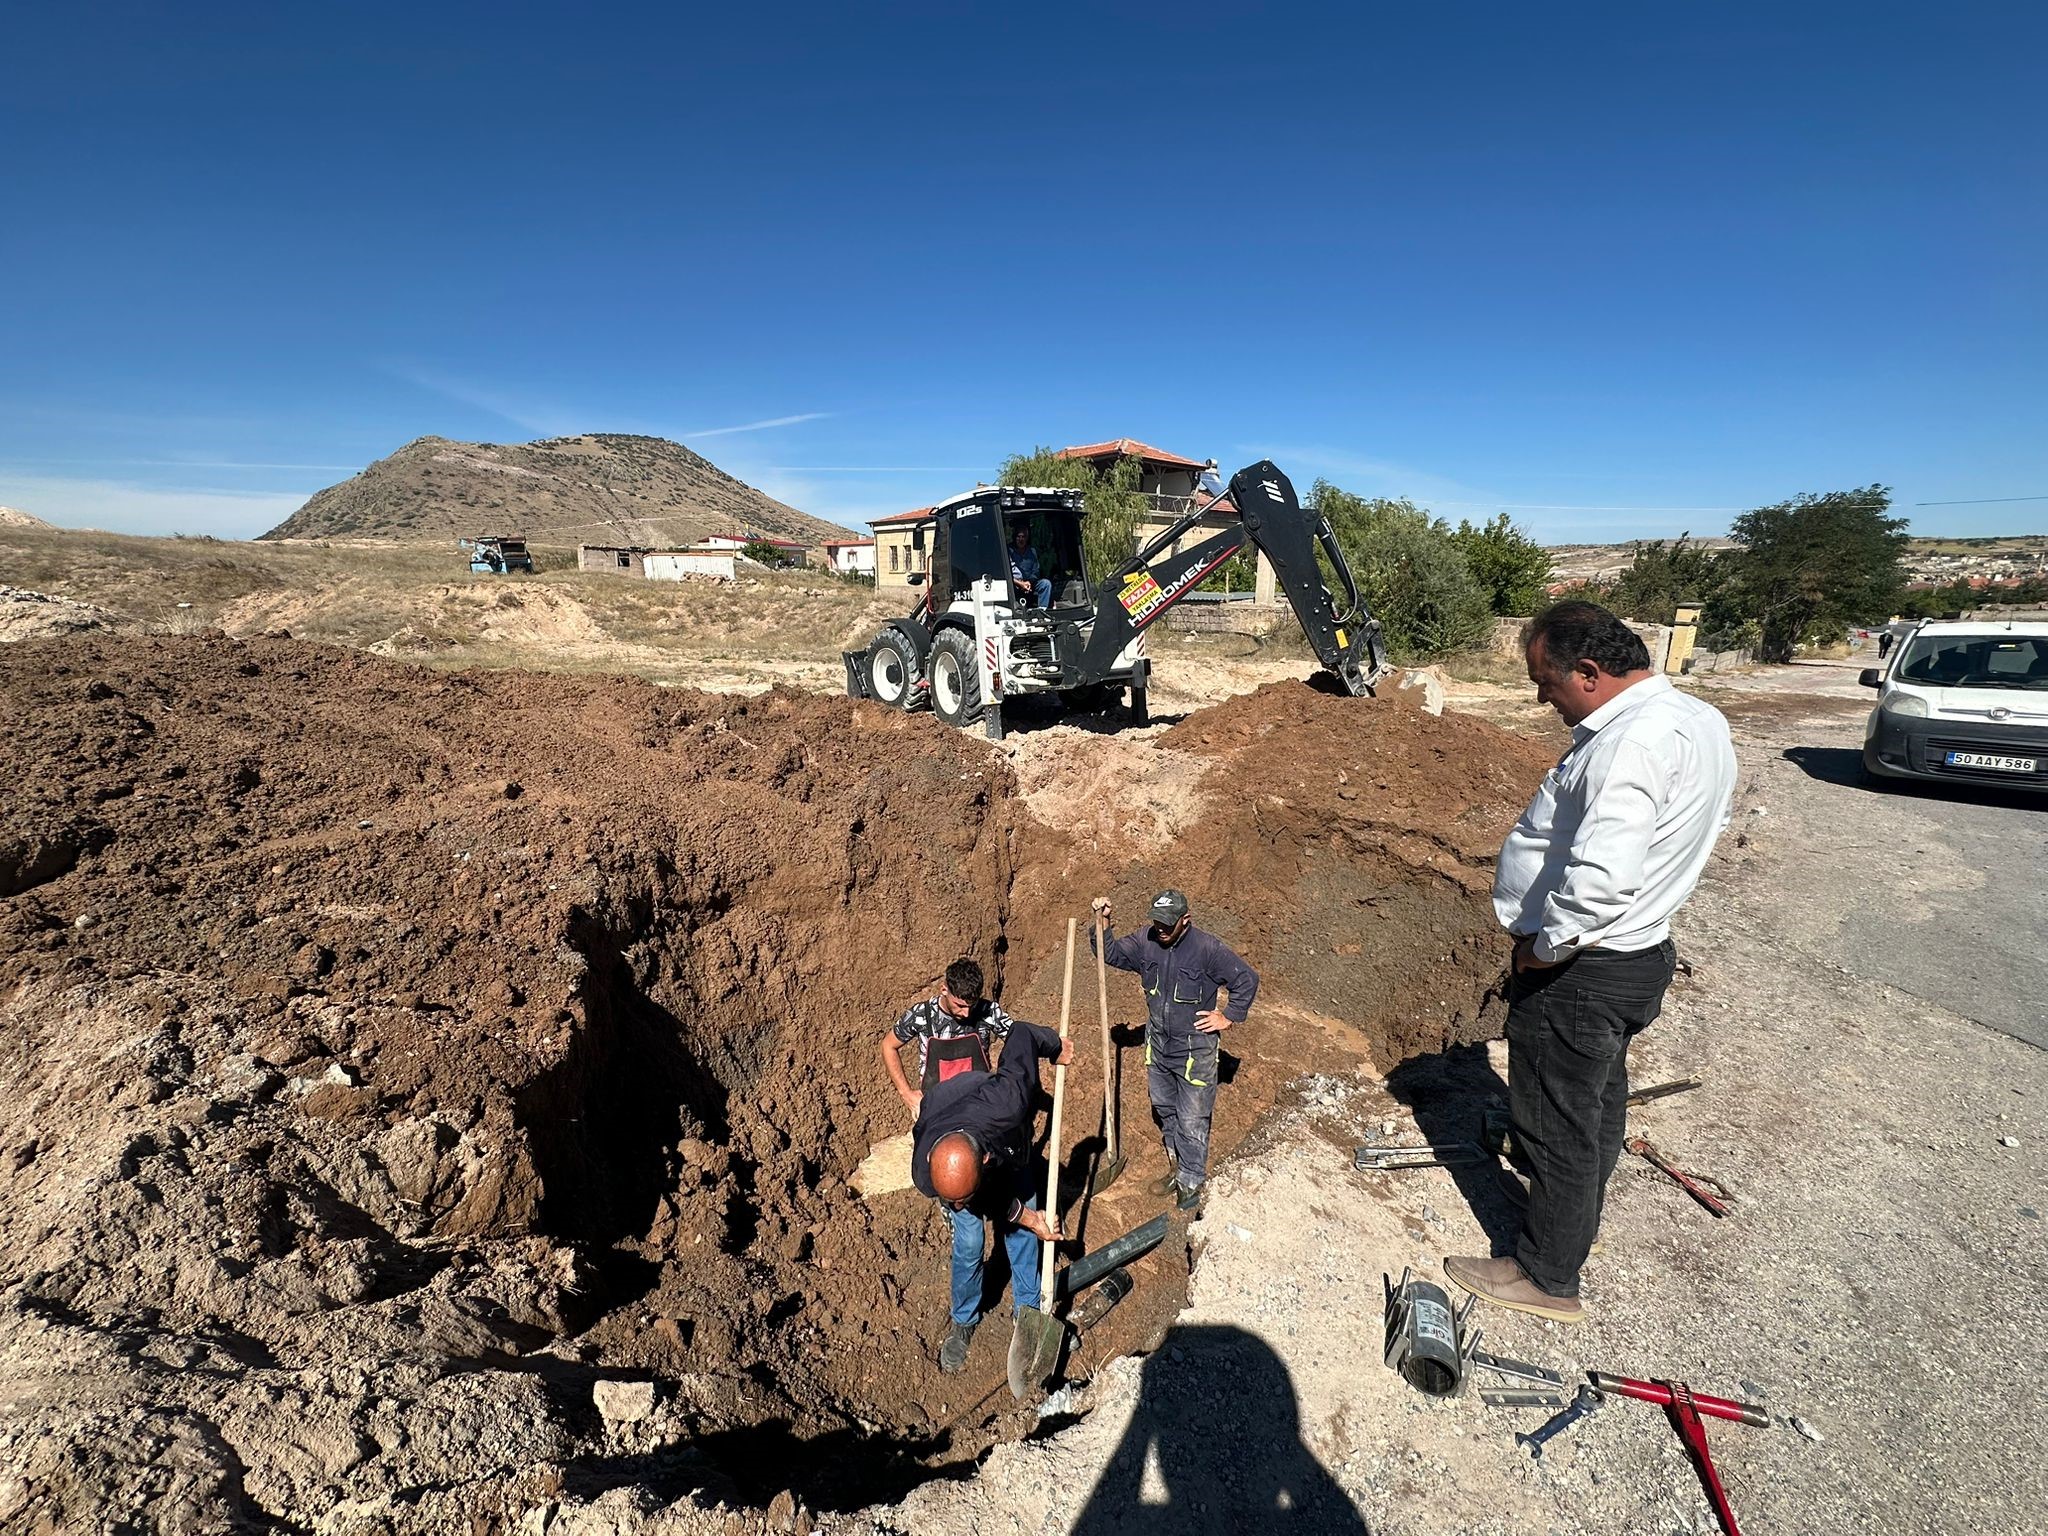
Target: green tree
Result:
[1661, 577]
[1112, 503]
[1512, 568]
[761, 551]
[1812, 566]
[1410, 571]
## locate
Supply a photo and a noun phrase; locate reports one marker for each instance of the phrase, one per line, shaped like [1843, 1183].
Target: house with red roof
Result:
[850, 557]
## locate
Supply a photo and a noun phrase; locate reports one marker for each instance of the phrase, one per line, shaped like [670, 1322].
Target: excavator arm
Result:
[1346, 639]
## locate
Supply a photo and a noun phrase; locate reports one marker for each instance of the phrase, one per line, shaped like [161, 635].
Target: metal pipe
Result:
[1089, 1268]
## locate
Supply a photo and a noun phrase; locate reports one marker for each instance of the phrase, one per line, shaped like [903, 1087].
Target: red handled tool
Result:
[1711, 1193]
[1685, 1407]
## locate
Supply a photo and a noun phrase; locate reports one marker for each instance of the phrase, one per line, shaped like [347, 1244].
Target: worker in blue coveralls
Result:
[1024, 571]
[1181, 967]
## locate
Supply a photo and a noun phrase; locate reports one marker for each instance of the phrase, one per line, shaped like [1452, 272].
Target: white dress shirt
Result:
[1618, 833]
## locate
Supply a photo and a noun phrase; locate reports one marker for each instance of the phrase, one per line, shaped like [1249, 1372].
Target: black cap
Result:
[1168, 908]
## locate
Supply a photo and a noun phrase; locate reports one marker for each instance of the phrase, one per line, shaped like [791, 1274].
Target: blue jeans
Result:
[1021, 1246]
[1041, 592]
[1181, 1082]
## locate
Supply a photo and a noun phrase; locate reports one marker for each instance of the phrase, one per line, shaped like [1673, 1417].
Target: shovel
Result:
[1112, 1160]
[1036, 1341]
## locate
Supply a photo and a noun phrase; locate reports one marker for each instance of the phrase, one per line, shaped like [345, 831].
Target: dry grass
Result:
[419, 600]
[1483, 664]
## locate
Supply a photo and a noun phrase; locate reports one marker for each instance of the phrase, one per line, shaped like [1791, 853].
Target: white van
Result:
[1963, 699]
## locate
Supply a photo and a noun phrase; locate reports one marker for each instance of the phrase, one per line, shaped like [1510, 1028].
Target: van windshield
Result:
[1976, 661]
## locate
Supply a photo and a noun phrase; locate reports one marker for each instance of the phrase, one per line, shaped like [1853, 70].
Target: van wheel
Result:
[956, 682]
[892, 670]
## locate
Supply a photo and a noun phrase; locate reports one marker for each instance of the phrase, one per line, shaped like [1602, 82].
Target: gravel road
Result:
[1883, 1276]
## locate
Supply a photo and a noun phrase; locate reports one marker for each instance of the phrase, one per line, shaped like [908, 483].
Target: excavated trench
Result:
[528, 1026]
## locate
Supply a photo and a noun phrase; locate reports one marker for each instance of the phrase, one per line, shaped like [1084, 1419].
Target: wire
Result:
[1981, 501]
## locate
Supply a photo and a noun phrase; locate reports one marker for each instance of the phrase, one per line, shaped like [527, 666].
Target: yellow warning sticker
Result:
[1140, 595]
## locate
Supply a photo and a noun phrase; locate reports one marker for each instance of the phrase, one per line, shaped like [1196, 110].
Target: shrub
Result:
[1410, 572]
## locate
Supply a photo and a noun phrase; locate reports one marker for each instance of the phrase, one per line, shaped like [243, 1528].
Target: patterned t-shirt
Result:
[926, 1021]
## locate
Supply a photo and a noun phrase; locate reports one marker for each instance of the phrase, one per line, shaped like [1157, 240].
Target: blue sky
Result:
[1617, 270]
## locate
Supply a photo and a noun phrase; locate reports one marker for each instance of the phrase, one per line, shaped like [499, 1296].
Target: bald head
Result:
[956, 1166]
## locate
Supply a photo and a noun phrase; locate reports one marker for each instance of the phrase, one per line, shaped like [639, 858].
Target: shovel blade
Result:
[1106, 1173]
[1034, 1350]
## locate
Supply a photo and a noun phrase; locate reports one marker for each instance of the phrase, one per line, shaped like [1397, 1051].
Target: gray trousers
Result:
[1181, 1081]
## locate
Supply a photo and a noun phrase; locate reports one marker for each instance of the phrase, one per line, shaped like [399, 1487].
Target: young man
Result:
[1181, 967]
[1586, 886]
[970, 1151]
[955, 1031]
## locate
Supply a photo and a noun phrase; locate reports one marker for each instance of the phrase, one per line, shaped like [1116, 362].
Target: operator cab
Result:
[974, 537]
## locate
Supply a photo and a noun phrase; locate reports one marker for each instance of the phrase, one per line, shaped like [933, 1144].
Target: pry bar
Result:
[1711, 1193]
[1663, 1091]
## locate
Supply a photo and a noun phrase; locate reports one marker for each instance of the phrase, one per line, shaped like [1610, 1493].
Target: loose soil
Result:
[401, 1069]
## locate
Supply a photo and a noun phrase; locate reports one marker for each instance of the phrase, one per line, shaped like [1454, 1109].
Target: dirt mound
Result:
[28, 615]
[1366, 831]
[599, 488]
[399, 1070]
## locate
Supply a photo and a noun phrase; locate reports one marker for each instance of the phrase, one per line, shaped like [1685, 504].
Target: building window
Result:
[625, 561]
[895, 554]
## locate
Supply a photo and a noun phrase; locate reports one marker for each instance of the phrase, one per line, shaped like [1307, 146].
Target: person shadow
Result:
[1448, 1093]
[1215, 1445]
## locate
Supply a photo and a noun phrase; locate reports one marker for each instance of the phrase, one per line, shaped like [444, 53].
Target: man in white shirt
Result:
[1588, 880]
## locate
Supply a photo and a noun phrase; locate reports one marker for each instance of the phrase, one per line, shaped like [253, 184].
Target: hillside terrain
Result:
[14, 517]
[1925, 559]
[601, 488]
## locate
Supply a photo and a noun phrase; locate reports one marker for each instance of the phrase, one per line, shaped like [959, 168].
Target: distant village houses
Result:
[705, 560]
[716, 556]
[850, 557]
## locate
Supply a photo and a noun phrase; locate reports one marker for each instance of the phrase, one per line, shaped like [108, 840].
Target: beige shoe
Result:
[1504, 1283]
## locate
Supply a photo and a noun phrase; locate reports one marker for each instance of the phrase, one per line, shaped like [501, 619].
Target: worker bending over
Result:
[1181, 967]
[970, 1151]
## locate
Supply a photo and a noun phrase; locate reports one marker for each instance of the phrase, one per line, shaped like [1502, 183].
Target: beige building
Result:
[896, 548]
[1173, 485]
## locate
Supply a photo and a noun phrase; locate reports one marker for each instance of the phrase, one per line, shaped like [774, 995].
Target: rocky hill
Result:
[601, 488]
[14, 517]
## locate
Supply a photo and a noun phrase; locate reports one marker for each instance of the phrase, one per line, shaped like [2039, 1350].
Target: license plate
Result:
[1987, 760]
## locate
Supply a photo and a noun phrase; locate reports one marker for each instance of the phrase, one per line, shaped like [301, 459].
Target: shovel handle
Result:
[1052, 1147]
[1110, 1094]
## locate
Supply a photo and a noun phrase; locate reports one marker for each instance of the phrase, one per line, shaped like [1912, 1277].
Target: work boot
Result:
[1189, 1199]
[953, 1353]
[1167, 1183]
[1506, 1284]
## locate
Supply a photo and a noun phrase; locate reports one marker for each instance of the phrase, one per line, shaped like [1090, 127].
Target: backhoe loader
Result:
[978, 639]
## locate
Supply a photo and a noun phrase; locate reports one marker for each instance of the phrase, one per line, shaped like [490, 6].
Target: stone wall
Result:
[1227, 618]
[1506, 639]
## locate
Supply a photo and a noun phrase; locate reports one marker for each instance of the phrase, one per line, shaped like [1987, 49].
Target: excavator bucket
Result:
[1346, 639]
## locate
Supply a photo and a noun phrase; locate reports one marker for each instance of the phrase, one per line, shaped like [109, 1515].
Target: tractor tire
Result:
[892, 670]
[956, 680]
